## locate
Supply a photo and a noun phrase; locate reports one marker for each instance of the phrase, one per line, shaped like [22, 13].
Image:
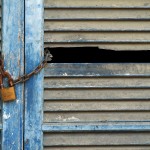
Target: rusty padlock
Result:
[7, 93]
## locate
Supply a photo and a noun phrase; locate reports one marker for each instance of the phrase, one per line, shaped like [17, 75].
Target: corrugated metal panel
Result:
[97, 106]
[119, 24]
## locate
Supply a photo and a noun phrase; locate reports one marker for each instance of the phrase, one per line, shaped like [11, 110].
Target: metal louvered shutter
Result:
[97, 107]
[111, 24]
[100, 106]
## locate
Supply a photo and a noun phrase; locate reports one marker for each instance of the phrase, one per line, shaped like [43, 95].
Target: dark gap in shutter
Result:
[96, 55]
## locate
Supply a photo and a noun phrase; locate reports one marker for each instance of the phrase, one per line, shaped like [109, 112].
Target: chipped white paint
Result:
[6, 116]
[17, 101]
[127, 74]
[65, 74]
[71, 119]
[60, 118]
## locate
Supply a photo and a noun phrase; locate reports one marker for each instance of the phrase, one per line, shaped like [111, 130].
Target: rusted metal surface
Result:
[35, 71]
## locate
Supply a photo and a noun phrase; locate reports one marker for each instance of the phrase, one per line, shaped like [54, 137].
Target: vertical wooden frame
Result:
[34, 87]
[13, 51]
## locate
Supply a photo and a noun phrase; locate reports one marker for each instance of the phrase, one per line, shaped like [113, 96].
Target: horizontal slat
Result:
[96, 106]
[96, 3]
[83, 139]
[97, 26]
[95, 30]
[95, 116]
[96, 7]
[102, 37]
[78, 41]
[99, 148]
[111, 46]
[101, 127]
[94, 14]
[96, 82]
[97, 19]
[97, 16]
[98, 70]
[97, 94]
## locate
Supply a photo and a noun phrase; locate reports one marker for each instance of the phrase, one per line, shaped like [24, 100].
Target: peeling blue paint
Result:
[33, 134]
[96, 128]
[13, 50]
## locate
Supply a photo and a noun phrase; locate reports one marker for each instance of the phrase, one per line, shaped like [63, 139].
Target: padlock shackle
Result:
[5, 74]
[10, 79]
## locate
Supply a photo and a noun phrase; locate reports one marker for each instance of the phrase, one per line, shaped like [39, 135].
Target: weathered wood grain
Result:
[95, 116]
[97, 3]
[97, 26]
[96, 139]
[93, 17]
[99, 148]
[98, 70]
[99, 127]
[98, 82]
[34, 87]
[13, 51]
[98, 37]
[95, 14]
[81, 97]
[80, 93]
[116, 46]
[96, 94]
[96, 106]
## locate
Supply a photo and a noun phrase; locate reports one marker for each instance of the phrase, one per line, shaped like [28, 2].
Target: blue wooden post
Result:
[13, 51]
[34, 87]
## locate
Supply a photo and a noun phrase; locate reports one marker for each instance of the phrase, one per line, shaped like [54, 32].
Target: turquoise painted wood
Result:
[13, 51]
[101, 127]
[33, 137]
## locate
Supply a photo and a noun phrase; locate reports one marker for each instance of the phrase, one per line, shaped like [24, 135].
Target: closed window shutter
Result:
[118, 25]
